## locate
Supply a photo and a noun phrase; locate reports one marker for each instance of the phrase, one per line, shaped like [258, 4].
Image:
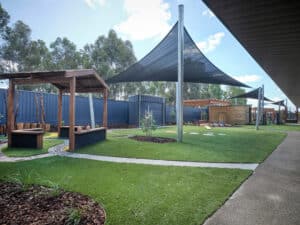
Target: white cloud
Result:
[94, 3]
[248, 78]
[146, 19]
[252, 102]
[211, 43]
[208, 13]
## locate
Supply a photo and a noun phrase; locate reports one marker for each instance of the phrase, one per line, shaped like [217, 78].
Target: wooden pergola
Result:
[67, 81]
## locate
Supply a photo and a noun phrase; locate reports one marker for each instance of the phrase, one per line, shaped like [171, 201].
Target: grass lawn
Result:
[236, 144]
[136, 194]
[2, 137]
[51, 135]
[292, 127]
[23, 152]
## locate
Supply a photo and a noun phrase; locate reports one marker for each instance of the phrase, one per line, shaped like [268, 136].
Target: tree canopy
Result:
[108, 55]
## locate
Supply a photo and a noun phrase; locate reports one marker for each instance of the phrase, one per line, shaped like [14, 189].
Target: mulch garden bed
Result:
[160, 140]
[38, 205]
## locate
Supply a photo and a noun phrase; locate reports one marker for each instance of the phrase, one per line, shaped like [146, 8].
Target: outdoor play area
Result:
[136, 172]
[83, 152]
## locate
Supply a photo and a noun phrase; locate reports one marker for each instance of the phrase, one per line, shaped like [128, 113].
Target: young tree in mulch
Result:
[148, 125]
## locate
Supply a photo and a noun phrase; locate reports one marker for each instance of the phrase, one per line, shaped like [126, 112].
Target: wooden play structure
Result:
[67, 81]
[233, 115]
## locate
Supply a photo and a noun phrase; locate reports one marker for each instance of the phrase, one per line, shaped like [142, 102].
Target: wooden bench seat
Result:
[27, 138]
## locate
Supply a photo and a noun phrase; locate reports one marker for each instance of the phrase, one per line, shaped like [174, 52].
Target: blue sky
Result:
[144, 23]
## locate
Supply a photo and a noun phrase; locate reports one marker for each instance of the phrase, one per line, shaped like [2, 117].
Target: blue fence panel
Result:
[24, 102]
[2, 106]
[191, 114]
[120, 113]
[51, 107]
[170, 114]
[133, 111]
[27, 109]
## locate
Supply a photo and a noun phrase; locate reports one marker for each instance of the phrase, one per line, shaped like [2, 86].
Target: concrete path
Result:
[271, 196]
[4, 158]
[244, 166]
[59, 150]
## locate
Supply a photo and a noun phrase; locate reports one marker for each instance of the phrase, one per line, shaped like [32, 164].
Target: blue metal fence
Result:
[120, 113]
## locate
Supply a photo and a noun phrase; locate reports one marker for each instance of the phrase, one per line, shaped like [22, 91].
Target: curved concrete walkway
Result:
[59, 150]
[271, 196]
[243, 166]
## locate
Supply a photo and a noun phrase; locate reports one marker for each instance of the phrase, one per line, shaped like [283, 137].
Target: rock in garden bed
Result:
[153, 139]
[35, 204]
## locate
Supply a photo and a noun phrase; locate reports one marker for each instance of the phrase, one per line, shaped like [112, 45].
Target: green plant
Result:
[55, 188]
[22, 178]
[148, 123]
[74, 217]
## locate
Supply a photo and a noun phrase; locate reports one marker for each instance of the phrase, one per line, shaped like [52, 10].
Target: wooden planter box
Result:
[47, 127]
[64, 131]
[88, 137]
[20, 126]
[26, 125]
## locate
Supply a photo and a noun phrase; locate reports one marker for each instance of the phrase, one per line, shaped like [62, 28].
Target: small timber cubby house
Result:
[67, 81]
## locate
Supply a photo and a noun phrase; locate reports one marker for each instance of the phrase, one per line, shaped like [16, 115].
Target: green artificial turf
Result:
[23, 152]
[236, 144]
[51, 135]
[2, 137]
[291, 127]
[136, 194]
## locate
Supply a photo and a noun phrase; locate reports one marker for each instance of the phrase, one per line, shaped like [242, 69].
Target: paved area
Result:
[59, 150]
[271, 196]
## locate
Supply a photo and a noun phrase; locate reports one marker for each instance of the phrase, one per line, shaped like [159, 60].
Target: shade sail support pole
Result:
[59, 110]
[262, 104]
[10, 111]
[104, 114]
[92, 113]
[72, 114]
[258, 109]
[180, 79]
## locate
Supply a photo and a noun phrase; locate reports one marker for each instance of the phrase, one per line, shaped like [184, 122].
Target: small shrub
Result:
[148, 123]
[55, 188]
[74, 217]
[23, 178]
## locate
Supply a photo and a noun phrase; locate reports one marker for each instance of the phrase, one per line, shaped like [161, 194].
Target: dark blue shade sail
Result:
[251, 94]
[161, 64]
[279, 103]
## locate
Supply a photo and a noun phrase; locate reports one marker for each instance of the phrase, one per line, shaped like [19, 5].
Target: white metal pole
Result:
[92, 114]
[179, 86]
[258, 110]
